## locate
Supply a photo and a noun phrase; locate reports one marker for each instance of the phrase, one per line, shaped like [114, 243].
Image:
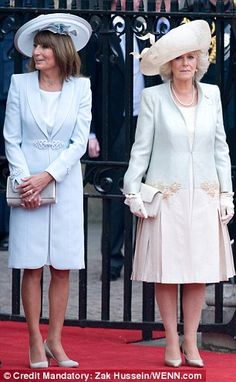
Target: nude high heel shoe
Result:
[191, 362]
[173, 362]
[66, 363]
[37, 365]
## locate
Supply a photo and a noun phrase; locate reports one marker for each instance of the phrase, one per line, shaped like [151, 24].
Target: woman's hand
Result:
[93, 148]
[136, 205]
[31, 188]
[226, 206]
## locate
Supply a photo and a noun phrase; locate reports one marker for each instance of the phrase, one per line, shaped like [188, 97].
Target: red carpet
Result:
[105, 350]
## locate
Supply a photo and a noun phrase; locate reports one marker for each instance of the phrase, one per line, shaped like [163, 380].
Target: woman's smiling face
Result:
[44, 57]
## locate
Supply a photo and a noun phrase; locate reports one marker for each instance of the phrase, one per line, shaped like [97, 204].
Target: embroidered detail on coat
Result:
[167, 189]
[211, 189]
[43, 144]
[15, 172]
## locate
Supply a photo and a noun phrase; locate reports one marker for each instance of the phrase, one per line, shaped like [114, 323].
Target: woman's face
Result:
[44, 57]
[184, 67]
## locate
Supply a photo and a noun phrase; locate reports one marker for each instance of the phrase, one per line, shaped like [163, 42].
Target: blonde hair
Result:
[202, 67]
[64, 51]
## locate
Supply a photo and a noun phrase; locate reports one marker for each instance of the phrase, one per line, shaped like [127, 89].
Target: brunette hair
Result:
[63, 48]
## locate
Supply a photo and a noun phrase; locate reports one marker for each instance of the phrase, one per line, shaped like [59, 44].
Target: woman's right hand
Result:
[136, 205]
[31, 188]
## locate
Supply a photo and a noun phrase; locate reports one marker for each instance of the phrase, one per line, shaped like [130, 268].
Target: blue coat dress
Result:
[51, 234]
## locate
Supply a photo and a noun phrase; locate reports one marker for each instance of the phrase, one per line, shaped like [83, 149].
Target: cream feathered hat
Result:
[189, 37]
[61, 23]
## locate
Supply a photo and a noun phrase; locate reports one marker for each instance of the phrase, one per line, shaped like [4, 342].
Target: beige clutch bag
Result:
[48, 195]
[151, 198]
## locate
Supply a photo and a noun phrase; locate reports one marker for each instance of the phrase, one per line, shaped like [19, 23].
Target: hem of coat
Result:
[80, 267]
[193, 281]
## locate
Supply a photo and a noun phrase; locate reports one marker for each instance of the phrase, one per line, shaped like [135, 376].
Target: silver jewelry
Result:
[181, 103]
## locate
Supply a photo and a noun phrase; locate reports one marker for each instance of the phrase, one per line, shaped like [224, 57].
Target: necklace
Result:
[182, 103]
[52, 84]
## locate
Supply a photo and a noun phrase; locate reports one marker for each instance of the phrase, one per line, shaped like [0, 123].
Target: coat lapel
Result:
[204, 106]
[34, 100]
[64, 105]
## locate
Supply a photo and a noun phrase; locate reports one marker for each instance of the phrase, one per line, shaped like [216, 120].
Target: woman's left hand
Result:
[31, 188]
[226, 206]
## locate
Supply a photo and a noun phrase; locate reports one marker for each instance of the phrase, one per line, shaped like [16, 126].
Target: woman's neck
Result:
[184, 93]
[50, 81]
[183, 86]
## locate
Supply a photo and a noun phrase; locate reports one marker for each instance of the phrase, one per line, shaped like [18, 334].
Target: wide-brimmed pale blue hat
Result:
[61, 23]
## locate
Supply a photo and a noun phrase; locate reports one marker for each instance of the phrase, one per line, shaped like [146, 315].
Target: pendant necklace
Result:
[181, 103]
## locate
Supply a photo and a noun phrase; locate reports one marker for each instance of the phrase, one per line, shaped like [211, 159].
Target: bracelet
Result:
[131, 196]
[227, 194]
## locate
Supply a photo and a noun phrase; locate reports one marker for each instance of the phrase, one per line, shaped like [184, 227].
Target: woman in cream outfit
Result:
[46, 131]
[180, 147]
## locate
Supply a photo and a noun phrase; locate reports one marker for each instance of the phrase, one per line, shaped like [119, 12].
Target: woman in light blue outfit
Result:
[46, 131]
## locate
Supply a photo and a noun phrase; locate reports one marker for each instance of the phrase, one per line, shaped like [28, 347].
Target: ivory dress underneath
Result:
[186, 242]
[50, 102]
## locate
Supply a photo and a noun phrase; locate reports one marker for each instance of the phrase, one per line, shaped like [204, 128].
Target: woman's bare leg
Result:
[193, 299]
[31, 299]
[166, 297]
[58, 299]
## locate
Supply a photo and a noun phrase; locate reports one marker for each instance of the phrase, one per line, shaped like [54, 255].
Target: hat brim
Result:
[24, 37]
[193, 36]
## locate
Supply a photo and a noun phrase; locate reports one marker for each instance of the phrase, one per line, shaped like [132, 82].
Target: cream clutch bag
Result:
[151, 198]
[48, 195]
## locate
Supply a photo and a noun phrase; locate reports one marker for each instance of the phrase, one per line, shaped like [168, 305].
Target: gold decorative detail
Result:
[211, 189]
[212, 52]
[166, 190]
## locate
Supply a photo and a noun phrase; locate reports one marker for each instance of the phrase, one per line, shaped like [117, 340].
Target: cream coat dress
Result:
[50, 234]
[186, 243]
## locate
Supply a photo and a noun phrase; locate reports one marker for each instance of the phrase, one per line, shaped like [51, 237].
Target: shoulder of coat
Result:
[157, 90]
[25, 76]
[209, 89]
[81, 81]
